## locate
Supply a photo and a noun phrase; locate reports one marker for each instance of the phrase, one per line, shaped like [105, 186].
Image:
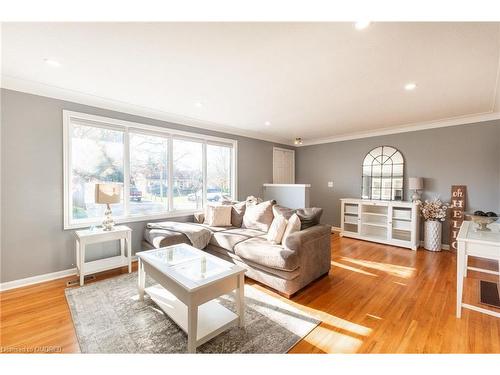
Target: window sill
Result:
[132, 219]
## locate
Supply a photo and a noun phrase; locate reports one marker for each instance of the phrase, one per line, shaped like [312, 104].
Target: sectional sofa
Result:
[287, 267]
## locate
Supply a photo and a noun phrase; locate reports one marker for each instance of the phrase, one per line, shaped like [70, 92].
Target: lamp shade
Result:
[416, 183]
[107, 193]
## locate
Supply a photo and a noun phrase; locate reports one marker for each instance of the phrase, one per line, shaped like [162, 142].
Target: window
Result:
[148, 189]
[97, 157]
[164, 172]
[219, 167]
[188, 175]
[383, 169]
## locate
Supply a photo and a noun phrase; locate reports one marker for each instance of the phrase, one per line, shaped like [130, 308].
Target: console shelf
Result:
[389, 222]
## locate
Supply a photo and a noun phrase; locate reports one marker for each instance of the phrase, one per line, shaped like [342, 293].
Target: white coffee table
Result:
[189, 281]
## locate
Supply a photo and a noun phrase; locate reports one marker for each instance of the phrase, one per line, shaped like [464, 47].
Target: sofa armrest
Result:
[313, 246]
[298, 240]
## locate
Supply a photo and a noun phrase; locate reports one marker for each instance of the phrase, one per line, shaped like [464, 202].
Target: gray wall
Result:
[461, 155]
[33, 240]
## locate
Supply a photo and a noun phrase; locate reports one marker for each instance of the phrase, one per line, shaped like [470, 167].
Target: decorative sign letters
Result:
[457, 208]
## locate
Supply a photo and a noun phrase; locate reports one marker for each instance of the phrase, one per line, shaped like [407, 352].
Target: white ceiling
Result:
[312, 80]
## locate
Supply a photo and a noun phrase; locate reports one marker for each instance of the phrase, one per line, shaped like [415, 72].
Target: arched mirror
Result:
[383, 170]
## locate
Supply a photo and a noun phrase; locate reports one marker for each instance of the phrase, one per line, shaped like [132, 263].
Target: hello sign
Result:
[457, 208]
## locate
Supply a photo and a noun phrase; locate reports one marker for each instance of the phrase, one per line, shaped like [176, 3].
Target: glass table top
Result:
[187, 262]
[491, 236]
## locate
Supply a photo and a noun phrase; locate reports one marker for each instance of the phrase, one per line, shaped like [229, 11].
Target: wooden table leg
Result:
[240, 300]
[192, 328]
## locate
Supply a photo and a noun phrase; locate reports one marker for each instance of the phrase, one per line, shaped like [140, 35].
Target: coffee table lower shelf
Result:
[213, 318]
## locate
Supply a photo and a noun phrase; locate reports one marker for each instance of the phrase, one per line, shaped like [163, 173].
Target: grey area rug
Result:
[109, 318]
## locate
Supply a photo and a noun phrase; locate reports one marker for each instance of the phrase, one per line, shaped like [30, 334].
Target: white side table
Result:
[87, 236]
[472, 242]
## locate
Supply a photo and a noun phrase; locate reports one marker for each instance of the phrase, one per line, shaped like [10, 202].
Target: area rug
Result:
[109, 318]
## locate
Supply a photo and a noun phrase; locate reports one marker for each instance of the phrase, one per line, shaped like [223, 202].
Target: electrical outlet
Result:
[330, 184]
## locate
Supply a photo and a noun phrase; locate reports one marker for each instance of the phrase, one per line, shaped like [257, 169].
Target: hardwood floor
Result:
[376, 299]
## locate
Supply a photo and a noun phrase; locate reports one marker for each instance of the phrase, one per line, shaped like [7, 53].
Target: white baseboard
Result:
[336, 229]
[41, 278]
[37, 279]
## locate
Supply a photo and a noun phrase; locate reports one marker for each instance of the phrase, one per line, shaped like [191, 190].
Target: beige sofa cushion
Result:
[258, 216]
[246, 232]
[277, 230]
[260, 251]
[227, 240]
[218, 216]
[162, 237]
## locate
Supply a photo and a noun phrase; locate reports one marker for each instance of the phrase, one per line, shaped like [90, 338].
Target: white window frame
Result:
[71, 117]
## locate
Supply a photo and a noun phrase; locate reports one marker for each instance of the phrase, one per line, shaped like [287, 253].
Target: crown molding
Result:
[452, 121]
[55, 92]
[37, 88]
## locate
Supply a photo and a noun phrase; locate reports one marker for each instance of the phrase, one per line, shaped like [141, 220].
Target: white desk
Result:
[478, 244]
[87, 236]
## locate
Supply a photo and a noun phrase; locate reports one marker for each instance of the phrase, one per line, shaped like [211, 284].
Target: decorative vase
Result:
[432, 235]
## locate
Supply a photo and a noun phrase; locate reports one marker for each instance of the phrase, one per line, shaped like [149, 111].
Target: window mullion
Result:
[204, 175]
[170, 174]
[126, 173]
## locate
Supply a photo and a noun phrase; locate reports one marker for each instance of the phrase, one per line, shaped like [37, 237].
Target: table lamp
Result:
[107, 194]
[416, 184]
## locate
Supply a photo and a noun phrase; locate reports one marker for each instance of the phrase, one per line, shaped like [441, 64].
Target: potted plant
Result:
[434, 213]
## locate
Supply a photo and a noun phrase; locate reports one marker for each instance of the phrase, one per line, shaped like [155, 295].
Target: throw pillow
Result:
[258, 216]
[253, 200]
[283, 211]
[277, 230]
[237, 212]
[292, 227]
[218, 216]
[309, 217]
[199, 217]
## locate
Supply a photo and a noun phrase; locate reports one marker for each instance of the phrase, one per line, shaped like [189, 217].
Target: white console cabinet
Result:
[388, 222]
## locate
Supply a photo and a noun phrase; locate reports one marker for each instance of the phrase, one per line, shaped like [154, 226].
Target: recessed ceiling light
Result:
[198, 104]
[267, 123]
[360, 25]
[410, 86]
[53, 63]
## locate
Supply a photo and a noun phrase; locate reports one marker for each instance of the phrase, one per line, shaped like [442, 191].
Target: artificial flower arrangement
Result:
[433, 209]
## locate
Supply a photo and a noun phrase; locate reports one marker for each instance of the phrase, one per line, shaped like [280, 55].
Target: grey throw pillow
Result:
[283, 211]
[309, 217]
[237, 213]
